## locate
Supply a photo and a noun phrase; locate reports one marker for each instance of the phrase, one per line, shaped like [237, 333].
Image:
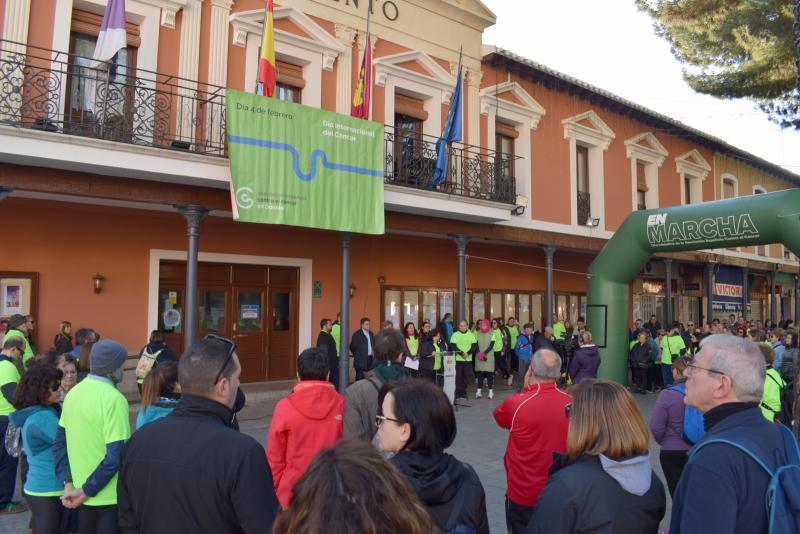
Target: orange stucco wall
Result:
[121, 240]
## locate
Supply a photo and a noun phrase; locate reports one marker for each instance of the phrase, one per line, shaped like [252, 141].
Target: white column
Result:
[344, 69]
[188, 66]
[473, 96]
[218, 66]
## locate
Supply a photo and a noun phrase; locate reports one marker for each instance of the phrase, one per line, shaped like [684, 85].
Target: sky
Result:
[610, 44]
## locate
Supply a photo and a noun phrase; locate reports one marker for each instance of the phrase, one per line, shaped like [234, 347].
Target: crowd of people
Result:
[375, 459]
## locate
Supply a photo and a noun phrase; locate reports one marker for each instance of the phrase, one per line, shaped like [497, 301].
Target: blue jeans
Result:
[8, 469]
[666, 374]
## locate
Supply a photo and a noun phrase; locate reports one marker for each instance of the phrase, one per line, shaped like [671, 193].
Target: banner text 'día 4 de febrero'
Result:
[301, 166]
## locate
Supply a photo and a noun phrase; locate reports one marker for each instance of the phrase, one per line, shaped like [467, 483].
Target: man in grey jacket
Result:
[361, 399]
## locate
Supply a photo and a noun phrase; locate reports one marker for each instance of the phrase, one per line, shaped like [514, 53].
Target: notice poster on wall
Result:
[14, 297]
[302, 166]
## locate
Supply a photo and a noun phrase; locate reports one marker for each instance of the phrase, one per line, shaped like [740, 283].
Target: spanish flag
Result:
[361, 95]
[266, 64]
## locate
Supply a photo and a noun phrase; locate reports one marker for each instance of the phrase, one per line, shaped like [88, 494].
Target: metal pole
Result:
[194, 215]
[745, 290]
[709, 292]
[773, 301]
[461, 275]
[549, 297]
[344, 326]
[667, 294]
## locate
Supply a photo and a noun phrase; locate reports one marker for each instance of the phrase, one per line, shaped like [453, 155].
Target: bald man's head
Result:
[546, 365]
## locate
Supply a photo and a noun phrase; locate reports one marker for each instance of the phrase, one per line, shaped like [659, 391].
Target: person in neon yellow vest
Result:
[430, 354]
[465, 345]
[412, 347]
[559, 329]
[336, 333]
[672, 346]
[18, 326]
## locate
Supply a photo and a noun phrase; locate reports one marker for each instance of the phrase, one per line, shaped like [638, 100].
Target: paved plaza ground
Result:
[480, 442]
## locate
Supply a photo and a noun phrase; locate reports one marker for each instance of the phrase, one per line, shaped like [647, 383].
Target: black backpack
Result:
[789, 366]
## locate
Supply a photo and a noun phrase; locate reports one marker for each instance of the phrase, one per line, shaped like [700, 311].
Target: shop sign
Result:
[692, 286]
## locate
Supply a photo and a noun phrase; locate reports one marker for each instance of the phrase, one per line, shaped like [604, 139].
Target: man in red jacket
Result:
[306, 421]
[537, 423]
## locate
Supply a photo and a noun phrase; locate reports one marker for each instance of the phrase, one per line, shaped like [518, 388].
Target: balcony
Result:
[164, 122]
[54, 91]
[472, 171]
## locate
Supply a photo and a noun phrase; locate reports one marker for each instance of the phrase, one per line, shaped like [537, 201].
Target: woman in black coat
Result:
[416, 423]
[606, 483]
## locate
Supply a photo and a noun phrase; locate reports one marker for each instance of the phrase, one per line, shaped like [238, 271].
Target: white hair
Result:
[741, 360]
[543, 371]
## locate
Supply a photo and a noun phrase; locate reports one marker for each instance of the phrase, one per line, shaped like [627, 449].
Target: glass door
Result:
[249, 332]
[212, 311]
[281, 332]
[170, 315]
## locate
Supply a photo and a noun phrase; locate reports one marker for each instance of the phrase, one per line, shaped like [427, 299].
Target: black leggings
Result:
[98, 519]
[672, 463]
[485, 375]
[501, 363]
[48, 515]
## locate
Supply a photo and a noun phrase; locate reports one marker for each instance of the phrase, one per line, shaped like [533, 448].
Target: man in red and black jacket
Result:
[537, 423]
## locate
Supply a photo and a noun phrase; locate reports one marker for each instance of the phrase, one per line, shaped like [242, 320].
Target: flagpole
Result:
[263, 29]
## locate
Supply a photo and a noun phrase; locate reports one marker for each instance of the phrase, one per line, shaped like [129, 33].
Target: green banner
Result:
[301, 166]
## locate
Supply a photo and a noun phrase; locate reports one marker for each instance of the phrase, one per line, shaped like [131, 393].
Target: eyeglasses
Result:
[231, 349]
[381, 418]
[690, 368]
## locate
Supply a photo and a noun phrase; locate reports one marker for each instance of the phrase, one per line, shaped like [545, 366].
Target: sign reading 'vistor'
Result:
[301, 166]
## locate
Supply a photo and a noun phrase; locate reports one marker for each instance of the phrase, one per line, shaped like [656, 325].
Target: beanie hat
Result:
[106, 357]
[17, 320]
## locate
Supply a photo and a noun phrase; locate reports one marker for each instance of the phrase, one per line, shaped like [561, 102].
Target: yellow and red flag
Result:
[361, 96]
[266, 64]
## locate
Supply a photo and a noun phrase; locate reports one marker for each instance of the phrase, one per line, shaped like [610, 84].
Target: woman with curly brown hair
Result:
[351, 488]
[36, 400]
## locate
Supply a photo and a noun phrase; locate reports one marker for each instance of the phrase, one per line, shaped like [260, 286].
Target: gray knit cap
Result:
[106, 357]
[17, 320]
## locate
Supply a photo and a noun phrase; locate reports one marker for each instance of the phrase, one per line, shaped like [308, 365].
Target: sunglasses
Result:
[381, 418]
[231, 349]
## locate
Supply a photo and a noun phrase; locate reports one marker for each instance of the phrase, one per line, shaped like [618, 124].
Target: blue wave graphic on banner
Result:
[316, 155]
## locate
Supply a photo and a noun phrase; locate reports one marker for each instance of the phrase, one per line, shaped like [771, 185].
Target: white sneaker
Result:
[510, 379]
[491, 394]
[478, 393]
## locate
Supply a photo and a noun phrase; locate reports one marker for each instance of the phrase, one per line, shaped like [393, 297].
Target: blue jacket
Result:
[524, 348]
[39, 425]
[722, 490]
[780, 351]
[161, 408]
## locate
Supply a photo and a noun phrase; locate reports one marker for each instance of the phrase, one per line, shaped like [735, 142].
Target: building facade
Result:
[99, 168]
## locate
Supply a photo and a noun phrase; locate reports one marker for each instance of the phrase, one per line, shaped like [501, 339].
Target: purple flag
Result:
[112, 37]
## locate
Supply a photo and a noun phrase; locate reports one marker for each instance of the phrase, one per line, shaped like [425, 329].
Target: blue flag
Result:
[452, 131]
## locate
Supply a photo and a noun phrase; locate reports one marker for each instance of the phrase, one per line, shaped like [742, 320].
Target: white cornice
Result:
[169, 10]
[319, 40]
[693, 163]
[439, 77]
[530, 109]
[655, 153]
[600, 134]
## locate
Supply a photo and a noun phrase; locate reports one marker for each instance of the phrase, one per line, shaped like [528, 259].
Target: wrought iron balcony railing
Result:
[65, 93]
[470, 171]
[71, 94]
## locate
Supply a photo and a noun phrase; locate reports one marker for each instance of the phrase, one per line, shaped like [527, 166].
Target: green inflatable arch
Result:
[744, 221]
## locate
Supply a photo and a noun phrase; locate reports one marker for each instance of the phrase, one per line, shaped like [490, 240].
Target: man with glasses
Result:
[191, 471]
[18, 327]
[722, 489]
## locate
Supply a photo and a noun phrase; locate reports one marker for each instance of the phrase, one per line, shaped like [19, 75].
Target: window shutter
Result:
[290, 74]
[406, 105]
[506, 130]
[89, 24]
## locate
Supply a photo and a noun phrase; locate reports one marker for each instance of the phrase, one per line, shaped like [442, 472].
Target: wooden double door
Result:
[254, 305]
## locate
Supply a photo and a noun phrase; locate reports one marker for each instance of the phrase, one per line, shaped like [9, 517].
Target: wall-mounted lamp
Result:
[97, 282]
[521, 202]
[593, 222]
[352, 290]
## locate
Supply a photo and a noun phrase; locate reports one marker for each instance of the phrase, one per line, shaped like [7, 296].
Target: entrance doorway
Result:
[256, 306]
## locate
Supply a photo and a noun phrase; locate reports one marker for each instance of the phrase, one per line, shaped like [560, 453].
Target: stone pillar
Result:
[188, 69]
[344, 69]
[667, 293]
[15, 26]
[218, 69]
[473, 81]
[745, 291]
[194, 216]
[461, 275]
[344, 324]
[549, 292]
[709, 292]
